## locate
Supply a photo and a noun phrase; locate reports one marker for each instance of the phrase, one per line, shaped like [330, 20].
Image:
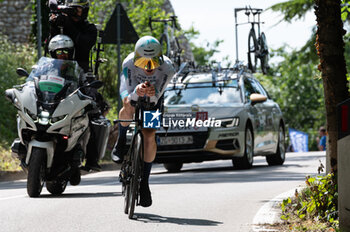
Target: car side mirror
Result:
[22, 72]
[257, 98]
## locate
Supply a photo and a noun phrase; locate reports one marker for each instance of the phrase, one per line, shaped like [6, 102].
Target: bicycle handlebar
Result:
[171, 19]
[247, 10]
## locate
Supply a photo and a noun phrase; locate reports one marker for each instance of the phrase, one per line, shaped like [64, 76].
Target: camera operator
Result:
[72, 18]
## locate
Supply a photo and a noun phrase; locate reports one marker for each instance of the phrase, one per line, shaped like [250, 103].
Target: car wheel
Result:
[246, 161]
[173, 167]
[280, 155]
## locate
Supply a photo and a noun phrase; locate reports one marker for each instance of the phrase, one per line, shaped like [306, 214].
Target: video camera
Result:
[58, 7]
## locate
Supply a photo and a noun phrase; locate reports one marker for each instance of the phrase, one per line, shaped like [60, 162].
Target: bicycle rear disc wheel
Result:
[264, 59]
[252, 49]
[136, 174]
[164, 43]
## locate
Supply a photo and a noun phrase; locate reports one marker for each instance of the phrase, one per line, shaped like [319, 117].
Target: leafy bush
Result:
[12, 56]
[318, 201]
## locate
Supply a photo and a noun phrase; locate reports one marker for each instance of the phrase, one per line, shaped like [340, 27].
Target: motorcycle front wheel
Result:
[36, 172]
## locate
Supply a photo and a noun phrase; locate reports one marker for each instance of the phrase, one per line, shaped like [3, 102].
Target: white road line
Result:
[270, 211]
[69, 188]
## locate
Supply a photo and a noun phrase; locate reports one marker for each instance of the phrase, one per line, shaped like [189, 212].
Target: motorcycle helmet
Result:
[148, 53]
[84, 4]
[61, 44]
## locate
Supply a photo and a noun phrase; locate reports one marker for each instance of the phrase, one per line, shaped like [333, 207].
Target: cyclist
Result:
[146, 72]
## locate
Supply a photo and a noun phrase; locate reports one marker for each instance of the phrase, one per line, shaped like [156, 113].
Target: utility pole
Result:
[38, 33]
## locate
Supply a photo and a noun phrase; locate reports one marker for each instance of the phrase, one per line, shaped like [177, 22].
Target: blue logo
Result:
[151, 119]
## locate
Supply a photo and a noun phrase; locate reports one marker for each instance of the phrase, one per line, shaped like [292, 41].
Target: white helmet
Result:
[61, 43]
[148, 53]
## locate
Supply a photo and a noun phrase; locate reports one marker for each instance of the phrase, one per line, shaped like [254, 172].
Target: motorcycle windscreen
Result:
[53, 75]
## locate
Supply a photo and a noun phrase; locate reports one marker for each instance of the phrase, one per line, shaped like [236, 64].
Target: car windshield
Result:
[204, 93]
[52, 75]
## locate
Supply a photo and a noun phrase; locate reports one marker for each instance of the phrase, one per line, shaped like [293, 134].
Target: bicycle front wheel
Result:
[252, 49]
[136, 167]
[264, 58]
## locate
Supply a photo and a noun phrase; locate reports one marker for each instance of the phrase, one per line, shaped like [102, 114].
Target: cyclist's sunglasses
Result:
[148, 64]
[62, 52]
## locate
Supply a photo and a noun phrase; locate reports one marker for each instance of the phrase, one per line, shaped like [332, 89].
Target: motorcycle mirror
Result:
[95, 84]
[22, 72]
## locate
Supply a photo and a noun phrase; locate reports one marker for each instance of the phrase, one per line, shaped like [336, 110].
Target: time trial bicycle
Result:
[132, 167]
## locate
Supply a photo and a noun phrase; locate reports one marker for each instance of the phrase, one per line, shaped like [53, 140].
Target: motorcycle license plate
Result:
[175, 140]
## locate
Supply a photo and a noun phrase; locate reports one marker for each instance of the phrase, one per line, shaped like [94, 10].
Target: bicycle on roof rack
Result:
[257, 44]
[132, 166]
[170, 43]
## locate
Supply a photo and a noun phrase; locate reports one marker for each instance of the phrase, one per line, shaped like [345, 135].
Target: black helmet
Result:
[80, 3]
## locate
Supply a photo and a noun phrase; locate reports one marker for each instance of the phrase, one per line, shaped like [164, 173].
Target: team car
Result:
[223, 114]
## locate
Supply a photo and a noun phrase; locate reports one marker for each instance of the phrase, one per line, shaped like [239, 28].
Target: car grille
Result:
[199, 140]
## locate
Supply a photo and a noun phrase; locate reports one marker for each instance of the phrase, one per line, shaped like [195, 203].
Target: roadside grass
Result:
[314, 208]
[7, 163]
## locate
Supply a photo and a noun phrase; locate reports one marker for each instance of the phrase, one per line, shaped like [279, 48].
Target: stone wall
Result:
[15, 18]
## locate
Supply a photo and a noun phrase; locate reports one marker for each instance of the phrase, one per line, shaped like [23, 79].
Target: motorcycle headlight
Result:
[44, 118]
[31, 115]
[230, 122]
[57, 119]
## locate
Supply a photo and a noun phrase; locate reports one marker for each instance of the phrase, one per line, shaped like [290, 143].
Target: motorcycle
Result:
[53, 124]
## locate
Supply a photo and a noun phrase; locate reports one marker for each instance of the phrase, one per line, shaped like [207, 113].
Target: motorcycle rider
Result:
[145, 72]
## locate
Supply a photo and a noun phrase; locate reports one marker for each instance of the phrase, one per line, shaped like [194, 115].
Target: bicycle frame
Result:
[169, 39]
[247, 10]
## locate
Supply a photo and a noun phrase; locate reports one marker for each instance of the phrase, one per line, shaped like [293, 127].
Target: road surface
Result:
[208, 196]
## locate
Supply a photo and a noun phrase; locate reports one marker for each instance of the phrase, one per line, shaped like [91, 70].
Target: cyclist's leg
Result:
[150, 149]
[125, 113]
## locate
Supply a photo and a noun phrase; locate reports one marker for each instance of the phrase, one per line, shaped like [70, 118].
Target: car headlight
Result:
[230, 122]
[31, 115]
[57, 119]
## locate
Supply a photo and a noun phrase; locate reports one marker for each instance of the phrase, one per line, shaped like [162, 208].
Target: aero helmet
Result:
[148, 53]
[61, 43]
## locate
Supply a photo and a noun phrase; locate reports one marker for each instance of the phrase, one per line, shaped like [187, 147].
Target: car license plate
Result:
[175, 140]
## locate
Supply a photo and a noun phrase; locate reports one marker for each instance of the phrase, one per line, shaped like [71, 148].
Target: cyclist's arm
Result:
[127, 85]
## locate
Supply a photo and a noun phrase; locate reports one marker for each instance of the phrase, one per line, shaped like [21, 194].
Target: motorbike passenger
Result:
[145, 72]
